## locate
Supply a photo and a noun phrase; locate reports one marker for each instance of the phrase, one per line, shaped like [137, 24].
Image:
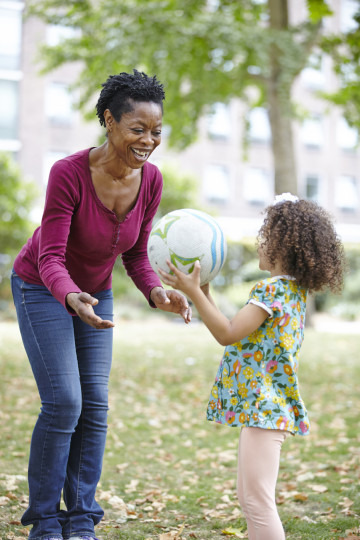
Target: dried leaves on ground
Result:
[168, 473]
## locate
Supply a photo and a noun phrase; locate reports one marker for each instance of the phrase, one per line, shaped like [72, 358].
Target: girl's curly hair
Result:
[119, 90]
[302, 238]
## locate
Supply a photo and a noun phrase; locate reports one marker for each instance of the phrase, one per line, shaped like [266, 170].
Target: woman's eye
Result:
[157, 133]
[137, 130]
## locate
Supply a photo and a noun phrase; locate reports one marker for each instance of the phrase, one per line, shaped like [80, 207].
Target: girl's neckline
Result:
[283, 276]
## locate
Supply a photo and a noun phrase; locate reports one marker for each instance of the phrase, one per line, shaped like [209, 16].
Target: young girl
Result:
[256, 386]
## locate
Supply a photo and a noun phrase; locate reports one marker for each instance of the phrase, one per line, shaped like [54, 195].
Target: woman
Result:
[100, 203]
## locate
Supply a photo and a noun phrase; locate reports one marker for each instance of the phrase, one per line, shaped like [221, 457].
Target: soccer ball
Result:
[184, 237]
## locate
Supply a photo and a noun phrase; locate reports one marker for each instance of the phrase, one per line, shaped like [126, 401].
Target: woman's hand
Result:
[172, 301]
[82, 303]
[187, 283]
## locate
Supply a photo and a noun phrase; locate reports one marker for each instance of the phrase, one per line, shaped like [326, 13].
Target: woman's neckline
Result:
[99, 201]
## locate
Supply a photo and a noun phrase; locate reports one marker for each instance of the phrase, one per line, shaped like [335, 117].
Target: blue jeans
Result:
[71, 363]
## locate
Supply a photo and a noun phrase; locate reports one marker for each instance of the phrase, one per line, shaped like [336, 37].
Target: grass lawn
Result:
[168, 473]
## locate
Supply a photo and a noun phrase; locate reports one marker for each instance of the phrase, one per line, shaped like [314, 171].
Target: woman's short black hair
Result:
[119, 90]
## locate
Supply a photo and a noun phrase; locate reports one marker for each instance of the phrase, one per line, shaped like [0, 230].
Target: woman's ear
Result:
[109, 120]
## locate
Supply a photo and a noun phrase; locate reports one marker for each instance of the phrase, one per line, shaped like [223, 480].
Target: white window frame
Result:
[347, 201]
[219, 121]
[312, 131]
[59, 103]
[216, 183]
[257, 186]
[259, 125]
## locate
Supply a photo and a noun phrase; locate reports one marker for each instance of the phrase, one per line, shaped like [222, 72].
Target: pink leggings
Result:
[258, 468]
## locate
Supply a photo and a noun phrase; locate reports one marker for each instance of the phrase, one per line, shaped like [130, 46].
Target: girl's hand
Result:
[82, 303]
[187, 283]
[172, 301]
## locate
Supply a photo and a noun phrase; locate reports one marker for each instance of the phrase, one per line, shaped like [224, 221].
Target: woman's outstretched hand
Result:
[172, 301]
[82, 303]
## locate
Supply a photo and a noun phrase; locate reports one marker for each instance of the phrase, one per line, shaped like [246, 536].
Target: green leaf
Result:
[318, 9]
[231, 531]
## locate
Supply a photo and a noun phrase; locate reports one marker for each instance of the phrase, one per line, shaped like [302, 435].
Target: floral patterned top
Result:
[256, 383]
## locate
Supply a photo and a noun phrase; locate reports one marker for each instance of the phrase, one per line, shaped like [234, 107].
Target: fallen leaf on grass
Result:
[172, 535]
[235, 515]
[346, 481]
[129, 488]
[213, 514]
[230, 531]
[318, 488]
[10, 481]
[226, 456]
[300, 497]
[305, 476]
[123, 511]
[291, 494]
[308, 520]
[353, 532]
[121, 467]
[346, 503]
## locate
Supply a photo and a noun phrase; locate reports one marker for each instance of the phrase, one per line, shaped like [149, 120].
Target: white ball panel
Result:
[184, 236]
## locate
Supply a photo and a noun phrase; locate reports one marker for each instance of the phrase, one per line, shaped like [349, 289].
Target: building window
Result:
[257, 186]
[217, 184]
[347, 137]
[9, 97]
[312, 187]
[312, 134]
[49, 160]
[10, 38]
[59, 104]
[346, 193]
[313, 76]
[259, 126]
[219, 124]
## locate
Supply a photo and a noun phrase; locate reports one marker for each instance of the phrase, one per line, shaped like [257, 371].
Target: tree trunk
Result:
[279, 100]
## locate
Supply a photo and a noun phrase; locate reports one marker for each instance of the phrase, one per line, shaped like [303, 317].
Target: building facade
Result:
[38, 125]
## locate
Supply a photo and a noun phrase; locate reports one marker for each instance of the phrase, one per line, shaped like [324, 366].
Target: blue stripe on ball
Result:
[213, 243]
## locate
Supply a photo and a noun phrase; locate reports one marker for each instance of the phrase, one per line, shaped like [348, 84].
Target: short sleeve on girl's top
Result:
[265, 295]
[261, 305]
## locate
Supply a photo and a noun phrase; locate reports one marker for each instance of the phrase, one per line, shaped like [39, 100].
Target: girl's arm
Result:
[225, 331]
[206, 290]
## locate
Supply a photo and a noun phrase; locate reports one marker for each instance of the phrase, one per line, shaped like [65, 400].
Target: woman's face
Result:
[137, 134]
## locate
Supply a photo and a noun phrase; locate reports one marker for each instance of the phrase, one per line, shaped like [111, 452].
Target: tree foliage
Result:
[205, 51]
[180, 191]
[16, 197]
[345, 51]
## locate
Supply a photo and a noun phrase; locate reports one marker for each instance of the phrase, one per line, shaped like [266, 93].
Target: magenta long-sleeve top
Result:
[79, 239]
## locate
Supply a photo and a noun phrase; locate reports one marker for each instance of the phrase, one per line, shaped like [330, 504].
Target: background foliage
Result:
[205, 52]
[16, 198]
